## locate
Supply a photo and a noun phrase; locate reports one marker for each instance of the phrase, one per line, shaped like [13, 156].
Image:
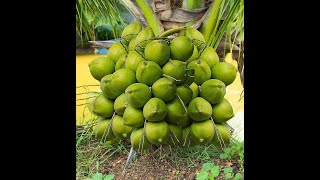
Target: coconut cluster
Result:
[162, 91]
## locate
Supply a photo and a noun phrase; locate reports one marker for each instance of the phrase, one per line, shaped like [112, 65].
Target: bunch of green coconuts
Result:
[162, 90]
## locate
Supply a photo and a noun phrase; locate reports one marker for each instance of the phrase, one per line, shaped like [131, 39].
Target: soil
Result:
[153, 166]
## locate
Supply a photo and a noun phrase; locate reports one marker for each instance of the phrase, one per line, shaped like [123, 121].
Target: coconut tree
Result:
[91, 14]
[220, 21]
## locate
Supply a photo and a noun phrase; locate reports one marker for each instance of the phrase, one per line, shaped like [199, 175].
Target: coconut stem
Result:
[172, 140]
[171, 132]
[87, 85]
[193, 4]
[85, 98]
[165, 75]
[90, 92]
[171, 31]
[109, 127]
[182, 103]
[187, 138]
[209, 24]
[150, 16]
[130, 157]
[221, 141]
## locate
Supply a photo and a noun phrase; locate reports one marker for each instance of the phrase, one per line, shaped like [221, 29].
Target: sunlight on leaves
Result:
[202, 176]
[215, 171]
[238, 176]
[207, 166]
[227, 170]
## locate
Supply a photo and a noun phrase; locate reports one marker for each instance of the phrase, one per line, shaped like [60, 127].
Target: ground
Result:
[149, 167]
[156, 163]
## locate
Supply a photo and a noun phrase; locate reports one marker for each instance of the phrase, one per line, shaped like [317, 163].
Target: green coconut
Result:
[210, 56]
[121, 62]
[181, 48]
[133, 117]
[101, 67]
[164, 88]
[89, 102]
[157, 51]
[222, 111]
[130, 32]
[185, 93]
[175, 136]
[194, 56]
[132, 44]
[120, 104]
[107, 88]
[176, 112]
[199, 109]
[175, 69]
[195, 90]
[155, 110]
[102, 106]
[213, 90]
[119, 129]
[202, 71]
[103, 130]
[201, 133]
[139, 140]
[148, 72]
[116, 50]
[157, 132]
[222, 136]
[123, 78]
[142, 38]
[225, 72]
[133, 61]
[195, 35]
[138, 94]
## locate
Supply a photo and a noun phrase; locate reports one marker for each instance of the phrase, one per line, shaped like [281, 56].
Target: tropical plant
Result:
[91, 14]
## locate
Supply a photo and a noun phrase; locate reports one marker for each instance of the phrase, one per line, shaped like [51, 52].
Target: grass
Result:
[90, 151]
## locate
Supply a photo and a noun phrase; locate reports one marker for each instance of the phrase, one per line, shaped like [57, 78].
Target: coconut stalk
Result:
[151, 17]
[211, 20]
[193, 4]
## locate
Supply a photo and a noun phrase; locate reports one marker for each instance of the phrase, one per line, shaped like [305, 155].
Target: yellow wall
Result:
[83, 77]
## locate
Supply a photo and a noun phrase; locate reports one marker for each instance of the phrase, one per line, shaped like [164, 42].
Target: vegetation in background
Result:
[100, 19]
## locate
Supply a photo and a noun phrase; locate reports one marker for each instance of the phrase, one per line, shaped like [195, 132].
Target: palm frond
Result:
[91, 13]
